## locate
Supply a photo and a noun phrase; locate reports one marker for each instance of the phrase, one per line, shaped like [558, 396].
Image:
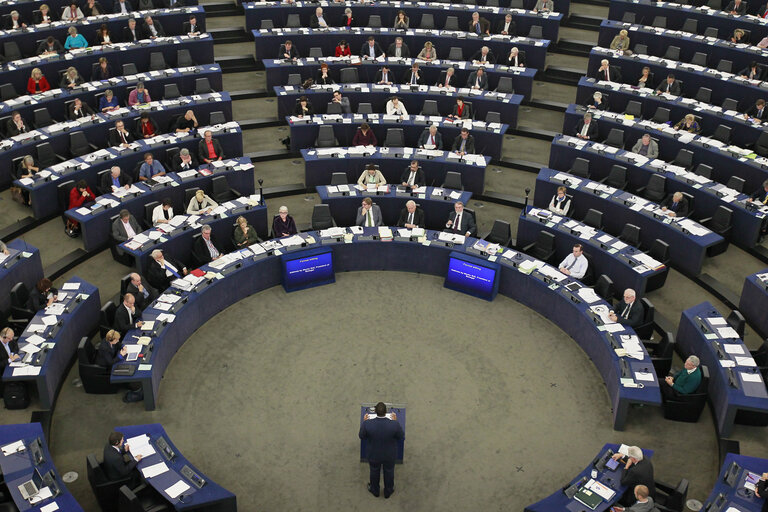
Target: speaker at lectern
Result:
[399, 410]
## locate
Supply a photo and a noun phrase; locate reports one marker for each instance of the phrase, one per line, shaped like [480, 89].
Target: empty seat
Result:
[326, 137]
[267, 25]
[46, 157]
[294, 79]
[711, 32]
[617, 177]
[455, 53]
[7, 92]
[725, 65]
[321, 217]
[761, 144]
[129, 69]
[216, 117]
[720, 223]
[451, 23]
[184, 59]
[684, 158]
[615, 138]
[500, 233]
[427, 22]
[171, 91]
[580, 168]
[659, 21]
[604, 287]
[730, 104]
[737, 322]
[374, 21]
[634, 108]
[659, 251]
[543, 248]
[394, 138]
[661, 115]
[655, 190]
[364, 108]
[735, 183]
[11, 51]
[156, 61]
[453, 180]
[691, 26]
[42, 117]
[641, 49]
[722, 133]
[672, 53]
[536, 32]
[505, 85]
[704, 95]
[629, 17]
[202, 85]
[79, 145]
[493, 117]
[293, 21]
[699, 59]
[704, 170]
[430, 108]
[315, 52]
[593, 218]
[630, 234]
[333, 108]
[349, 76]
[339, 178]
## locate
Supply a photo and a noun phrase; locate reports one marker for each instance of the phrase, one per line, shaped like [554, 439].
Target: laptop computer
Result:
[31, 487]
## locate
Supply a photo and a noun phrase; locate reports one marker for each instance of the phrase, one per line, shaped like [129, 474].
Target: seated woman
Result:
[201, 204]
[739, 37]
[689, 124]
[323, 78]
[75, 40]
[645, 79]
[44, 16]
[108, 102]
[139, 95]
[347, 20]
[26, 169]
[110, 350]
[283, 224]
[428, 53]
[43, 295]
[597, 101]
[303, 107]
[72, 13]
[162, 213]
[560, 204]
[401, 21]
[80, 195]
[71, 79]
[371, 176]
[245, 234]
[103, 36]
[103, 70]
[461, 110]
[342, 49]
[146, 128]
[621, 42]
[364, 136]
[37, 82]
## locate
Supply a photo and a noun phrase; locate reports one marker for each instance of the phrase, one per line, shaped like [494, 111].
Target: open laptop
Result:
[31, 487]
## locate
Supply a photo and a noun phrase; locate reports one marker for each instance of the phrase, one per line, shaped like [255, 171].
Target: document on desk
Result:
[601, 490]
[154, 470]
[176, 489]
[16, 447]
[733, 348]
[717, 320]
[49, 320]
[745, 361]
[50, 507]
[751, 377]
[42, 494]
[56, 309]
[727, 332]
[140, 445]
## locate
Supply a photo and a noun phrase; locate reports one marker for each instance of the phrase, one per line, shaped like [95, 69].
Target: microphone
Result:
[527, 191]
[261, 193]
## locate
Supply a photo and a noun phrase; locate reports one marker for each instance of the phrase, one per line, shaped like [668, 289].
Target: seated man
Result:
[153, 28]
[461, 222]
[644, 502]
[669, 86]
[150, 168]
[413, 75]
[288, 51]
[127, 315]
[122, 7]
[630, 311]
[115, 465]
[675, 205]
[478, 25]
[120, 136]
[115, 180]
[646, 146]
[371, 49]
[368, 214]
[209, 149]
[110, 350]
[757, 112]
[124, 228]
[464, 143]
[193, 27]
[478, 80]
[143, 294]
[506, 27]
[398, 49]
[684, 382]
[186, 123]
[161, 271]
[344, 102]
[384, 76]
[204, 250]
[132, 32]
[184, 161]
[413, 176]
[587, 128]
[79, 109]
[637, 471]
[318, 20]
[431, 138]
[9, 349]
[50, 46]
[737, 7]
[608, 73]
[395, 107]
[16, 125]
[575, 264]
[411, 216]
[483, 56]
[760, 195]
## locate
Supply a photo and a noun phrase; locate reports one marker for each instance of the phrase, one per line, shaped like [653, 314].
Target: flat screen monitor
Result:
[473, 276]
[306, 269]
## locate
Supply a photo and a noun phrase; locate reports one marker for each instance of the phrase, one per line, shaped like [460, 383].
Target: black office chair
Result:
[617, 177]
[124, 282]
[672, 53]
[149, 208]
[184, 59]
[349, 76]
[630, 235]
[94, 377]
[294, 79]
[655, 189]
[364, 108]
[722, 133]
[315, 52]
[659, 21]
[427, 22]
[456, 53]
[691, 26]
[140, 499]
[79, 145]
[720, 223]
[659, 251]
[536, 32]
[333, 108]
[20, 312]
[321, 217]
[157, 61]
[105, 490]
[493, 117]
[736, 183]
[615, 138]
[202, 86]
[671, 497]
[430, 108]
[661, 115]
[395, 138]
[661, 352]
[543, 248]
[629, 17]
[737, 322]
[62, 193]
[339, 178]
[593, 218]
[130, 69]
[107, 318]
[453, 181]
[221, 192]
[761, 144]
[7, 92]
[374, 21]
[500, 233]
[645, 329]
[761, 354]
[704, 94]
[725, 65]
[634, 108]
[216, 117]
[269, 24]
[711, 32]
[580, 168]
[730, 104]
[688, 408]
[451, 23]
[11, 51]
[684, 158]
[505, 85]
[325, 137]
[604, 287]
[641, 49]
[704, 171]
[171, 91]
[42, 118]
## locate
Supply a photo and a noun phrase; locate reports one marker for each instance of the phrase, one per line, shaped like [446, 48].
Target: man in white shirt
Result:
[575, 264]
[396, 108]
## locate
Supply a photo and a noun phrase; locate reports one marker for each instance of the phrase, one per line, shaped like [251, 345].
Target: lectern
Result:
[399, 410]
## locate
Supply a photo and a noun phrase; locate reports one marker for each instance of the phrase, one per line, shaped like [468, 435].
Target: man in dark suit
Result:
[461, 222]
[760, 195]
[411, 216]
[120, 136]
[113, 180]
[398, 49]
[464, 143]
[608, 73]
[757, 111]
[478, 25]
[752, 72]
[669, 85]
[16, 125]
[506, 26]
[413, 176]
[483, 56]
[382, 435]
[10, 349]
[193, 27]
[170, 4]
[288, 51]
[384, 76]
[152, 28]
[122, 6]
[431, 137]
[368, 214]
[586, 128]
[204, 250]
[132, 32]
[736, 7]
[115, 466]
[124, 228]
[676, 205]
[127, 315]
[637, 471]
[50, 45]
[209, 148]
[161, 271]
[184, 161]
[143, 294]
[371, 49]
[413, 75]
[318, 19]
[447, 78]
[478, 80]
[630, 311]
[344, 102]
[78, 109]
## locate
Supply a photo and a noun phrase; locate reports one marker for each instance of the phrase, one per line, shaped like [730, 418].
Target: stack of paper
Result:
[140, 445]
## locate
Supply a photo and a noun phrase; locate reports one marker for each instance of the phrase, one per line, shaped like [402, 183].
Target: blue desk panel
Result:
[737, 495]
[753, 303]
[26, 7]
[19, 269]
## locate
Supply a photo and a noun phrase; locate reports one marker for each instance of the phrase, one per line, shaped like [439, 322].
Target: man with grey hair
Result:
[630, 311]
[115, 180]
[161, 271]
[646, 146]
[184, 161]
[204, 250]
[637, 471]
[411, 216]
[684, 382]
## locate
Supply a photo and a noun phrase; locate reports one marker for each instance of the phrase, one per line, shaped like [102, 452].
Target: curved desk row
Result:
[677, 13]
[488, 137]
[27, 39]
[627, 266]
[517, 280]
[27, 7]
[201, 47]
[178, 475]
[178, 243]
[747, 224]
[436, 207]
[737, 393]
[723, 85]
[609, 478]
[743, 131]
[96, 226]
[268, 42]
[413, 100]
[658, 40]
[255, 12]
[20, 467]
[753, 303]
[22, 265]
[44, 193]
[319, 165]
[55, 100]
[726, 159]
[52, 338]
[278, 71]
[734, 488]
[686, 250]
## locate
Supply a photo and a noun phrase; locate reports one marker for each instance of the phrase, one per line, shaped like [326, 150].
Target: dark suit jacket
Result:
[512, 27]
[682, 206]
[405, 52]
[123, 323]
[177, 162]
[747, 70]
[639, 474]
[85, 111]
[128, 5]
[742, 9]
[116, 140]
[591, 131]
[141, 302]
[106, 182]
[200, 250]
[4, 356]
[418, 217]
[158, 27]
[12, 130]
[37, 300]
[199, 27]
[451, 82]
[202, 149]
[314, 21]
[752, 112]
[674, 87]
[424, 139]
[469, 146]
[759, 195]
[485, 26]
[114, 464]
[128, 37]
[167, 4]
[467, 223]
[472, 79]
[419, 181]
[409, 73]
[390, 77]
[377, 49]
[636, 313]
[615, 74]
[490, 57]
[294, 53]
[57, 47]
[382, 435]
[157, 277]
[511, 62]
[118, 231]
[106, 354]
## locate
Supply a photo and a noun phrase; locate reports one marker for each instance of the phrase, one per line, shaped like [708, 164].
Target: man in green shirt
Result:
[684, 382]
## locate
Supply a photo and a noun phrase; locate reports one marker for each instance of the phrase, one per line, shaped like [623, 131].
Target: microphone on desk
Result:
[527, 191]
[261, 194]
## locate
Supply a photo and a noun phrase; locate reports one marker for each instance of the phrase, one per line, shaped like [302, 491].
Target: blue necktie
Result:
[170, 269]
[477, 28]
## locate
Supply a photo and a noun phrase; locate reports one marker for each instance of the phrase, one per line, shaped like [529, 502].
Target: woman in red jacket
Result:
[364, 136]
[37, 82]
[342, 49]
[80, 195]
